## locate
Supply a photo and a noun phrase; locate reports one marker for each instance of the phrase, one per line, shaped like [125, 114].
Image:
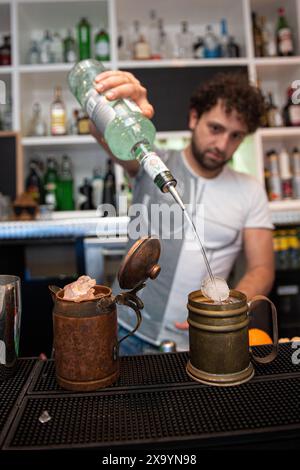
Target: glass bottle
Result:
[109, 185]
[85, 196]
[57, 49]
[70, 54]
[285, 45]
[58, 114]
[37, 126]
[65, 199]
[291, 111]
[199, 48]
[154, 35]
[164, 50]
[102, 45]
[34, 53]
[33, 183]
[5, 52]
[185, 41]
[274, 115]
[97, 186]
[142, 49]
[211, 44]
[257, 37]
[128, 133]
[233, 48]
[84, 39]
[83, 123]
[50, 184]
[224, 40]
[46, 52]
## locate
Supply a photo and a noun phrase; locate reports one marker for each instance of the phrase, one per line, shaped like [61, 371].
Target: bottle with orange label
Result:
[58, 114]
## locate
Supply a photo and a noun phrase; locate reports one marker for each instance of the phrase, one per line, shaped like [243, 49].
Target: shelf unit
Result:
[28, 83]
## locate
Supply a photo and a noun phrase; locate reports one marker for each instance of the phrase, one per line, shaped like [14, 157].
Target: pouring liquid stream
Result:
[179, 201]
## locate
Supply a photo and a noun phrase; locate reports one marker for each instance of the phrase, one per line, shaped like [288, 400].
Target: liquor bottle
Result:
[296, 172]
[124, 47]
[269, 42]
[70, 53]
[109, 185]
[257, 37]
[85, 197]
[50, 184]
[73, 129]
[185, 41]
[7, 115]
[34, 53]
[273, 113]
[57, 49]
[224, 40]
[84, 39]
[65, 199]
[58, 114]
[83, 123]
[154, 35]
[128, 133]
[33, 183]
[46, 52]
[291, 111]
[134, 37]
[198, 48]
[102, 45]
[5, 52]
[273, 178]
[211, 44]
[285, 45]
[164, 50]
[142, 49]
[285, 174]
[97, 187]
[233, 48]
[37, 126]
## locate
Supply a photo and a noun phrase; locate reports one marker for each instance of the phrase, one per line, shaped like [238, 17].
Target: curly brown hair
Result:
[236, 93]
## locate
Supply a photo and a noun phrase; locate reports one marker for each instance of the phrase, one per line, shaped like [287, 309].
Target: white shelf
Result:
[288, 204]
[58, 140]
[279, 132]
[5, 70]
[276, 61]
[134, 64]
[45, 68]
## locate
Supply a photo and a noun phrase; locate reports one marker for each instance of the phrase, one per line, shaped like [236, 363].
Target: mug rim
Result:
[9, 279]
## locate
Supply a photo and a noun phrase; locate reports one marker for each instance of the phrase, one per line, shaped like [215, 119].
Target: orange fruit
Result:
[258, 337]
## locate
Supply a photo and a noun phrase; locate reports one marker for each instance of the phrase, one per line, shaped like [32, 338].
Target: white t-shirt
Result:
[222, 207]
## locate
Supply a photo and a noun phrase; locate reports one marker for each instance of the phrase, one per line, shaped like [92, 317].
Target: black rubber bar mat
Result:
[167, 369]
[12, 390]
[204, 415]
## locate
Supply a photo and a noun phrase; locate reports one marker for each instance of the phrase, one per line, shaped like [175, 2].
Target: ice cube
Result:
[216, 289]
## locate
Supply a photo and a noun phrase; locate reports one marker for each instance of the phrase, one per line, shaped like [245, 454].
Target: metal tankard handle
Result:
[133, 301]
[273, 354]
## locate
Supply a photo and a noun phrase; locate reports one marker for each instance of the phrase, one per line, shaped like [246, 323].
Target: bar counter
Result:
[153, 406]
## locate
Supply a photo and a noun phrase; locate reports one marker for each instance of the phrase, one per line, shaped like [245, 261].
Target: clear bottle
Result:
[164, 46]
[273, 113]
[270, 48]
[285, 45]
[57, 49]
[224, 39]
[46, 51]
[102, 45]
[142, 49]
[37, 126]
[128, 133]
[65, 189]
[70, 53]
[185, 41]
[84, 39]
[211, 44]
[58, 114]
[34, 53]
[285, 174]
[154, 35]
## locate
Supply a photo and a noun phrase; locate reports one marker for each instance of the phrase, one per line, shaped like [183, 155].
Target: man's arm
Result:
[116, 84]
[260, 270]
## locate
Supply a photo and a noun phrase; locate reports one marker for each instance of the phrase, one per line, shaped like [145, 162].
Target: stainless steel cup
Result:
[10, 322]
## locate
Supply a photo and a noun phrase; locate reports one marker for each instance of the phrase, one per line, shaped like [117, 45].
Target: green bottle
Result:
[84, 39]
[128, 133]
[65, 200]
[70, 55]
[50, 184]
[102, 45]
[284, 35]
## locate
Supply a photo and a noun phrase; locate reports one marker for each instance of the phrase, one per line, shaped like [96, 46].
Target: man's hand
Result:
[116, 84]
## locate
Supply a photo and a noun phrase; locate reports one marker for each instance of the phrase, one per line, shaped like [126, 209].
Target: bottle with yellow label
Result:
[58, 114]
